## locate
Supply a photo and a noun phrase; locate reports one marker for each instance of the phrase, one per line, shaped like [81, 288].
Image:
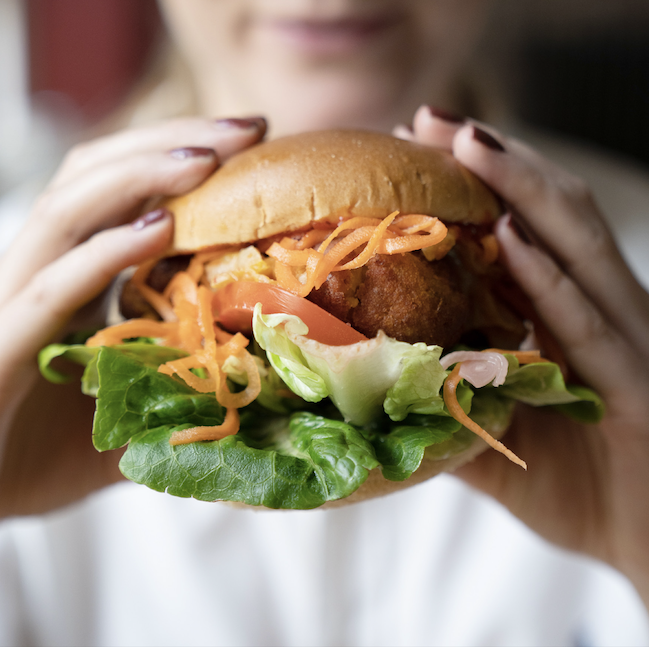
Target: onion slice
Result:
[478, 368]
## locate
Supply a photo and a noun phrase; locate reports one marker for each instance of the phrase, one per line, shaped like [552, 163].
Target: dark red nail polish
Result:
[517, 228]
[149, 218]
[445, 115]
[249, 122]
[191, 151]
[487, 140]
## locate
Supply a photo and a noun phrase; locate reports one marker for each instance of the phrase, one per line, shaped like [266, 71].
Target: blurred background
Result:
[578, 68]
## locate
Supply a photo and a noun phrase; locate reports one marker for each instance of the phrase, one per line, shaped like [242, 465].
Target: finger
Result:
[558, 209]
[401, 131]
[104, 196]
[33, 317]
[589, 340]
[436, 127]
[226, 136]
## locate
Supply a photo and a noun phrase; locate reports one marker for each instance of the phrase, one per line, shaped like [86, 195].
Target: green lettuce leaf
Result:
[357, 377]
[299, 462]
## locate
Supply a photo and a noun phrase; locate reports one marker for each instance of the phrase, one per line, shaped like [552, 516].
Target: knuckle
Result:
[39, 292]
[532, 185]
[51, 213]
[76, 156]
[595, 330]
[577, 189]
[48, 206]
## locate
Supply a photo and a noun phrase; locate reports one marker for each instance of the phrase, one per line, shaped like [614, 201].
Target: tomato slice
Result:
[234, 305]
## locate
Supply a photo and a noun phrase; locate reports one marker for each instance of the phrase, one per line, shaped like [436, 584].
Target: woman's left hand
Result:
[586, 487]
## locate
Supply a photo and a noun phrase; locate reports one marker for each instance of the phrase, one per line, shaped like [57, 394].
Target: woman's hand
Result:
[77, 239]
[587, 486]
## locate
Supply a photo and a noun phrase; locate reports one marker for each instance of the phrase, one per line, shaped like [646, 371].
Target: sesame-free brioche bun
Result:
[286, 184]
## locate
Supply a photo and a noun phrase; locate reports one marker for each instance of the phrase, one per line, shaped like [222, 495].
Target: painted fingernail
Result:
[149, 218]
[445, 115]
[243, 124]
[487, 140]
[191, 151]
[516, 227]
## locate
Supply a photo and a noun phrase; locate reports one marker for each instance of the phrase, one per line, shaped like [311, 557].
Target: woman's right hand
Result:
[78, 237]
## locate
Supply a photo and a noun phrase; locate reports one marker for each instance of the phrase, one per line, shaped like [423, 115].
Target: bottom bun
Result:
[377, 485]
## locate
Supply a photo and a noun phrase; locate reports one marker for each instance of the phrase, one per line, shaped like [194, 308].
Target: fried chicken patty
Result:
[404, 295]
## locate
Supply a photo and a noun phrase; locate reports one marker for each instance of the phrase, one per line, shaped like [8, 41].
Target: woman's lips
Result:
[330, 37]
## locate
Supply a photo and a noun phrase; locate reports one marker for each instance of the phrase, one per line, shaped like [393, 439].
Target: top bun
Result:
[288, 183]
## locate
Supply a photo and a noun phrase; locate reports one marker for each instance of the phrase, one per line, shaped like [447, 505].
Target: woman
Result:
[382, 572]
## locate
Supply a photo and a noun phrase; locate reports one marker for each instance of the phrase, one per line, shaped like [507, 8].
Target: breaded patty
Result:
[404, 295]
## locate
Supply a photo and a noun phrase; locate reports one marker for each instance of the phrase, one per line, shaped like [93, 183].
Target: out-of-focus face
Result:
[308, 64]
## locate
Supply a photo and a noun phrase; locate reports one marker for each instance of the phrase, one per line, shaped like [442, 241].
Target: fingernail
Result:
[487, 140]
[516, 227]
[445, 115]
[249, 122]
[191, 151]
[149, 218]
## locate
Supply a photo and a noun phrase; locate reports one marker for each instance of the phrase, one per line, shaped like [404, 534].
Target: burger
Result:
[331, 324]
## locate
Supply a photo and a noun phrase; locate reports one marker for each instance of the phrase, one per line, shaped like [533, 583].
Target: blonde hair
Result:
[166, 90]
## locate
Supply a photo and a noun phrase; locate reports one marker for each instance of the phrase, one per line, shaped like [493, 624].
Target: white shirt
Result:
[438, 564]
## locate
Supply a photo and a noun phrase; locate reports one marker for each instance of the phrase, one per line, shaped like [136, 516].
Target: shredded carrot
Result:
[181, 368]
[439, 250]
[313, 237]
[452, 404]
[113, 335]
[292, 257]
[372, 244]
[412, 242]
[194, 331]
[158, 301]
[229, 427]
[393, 234]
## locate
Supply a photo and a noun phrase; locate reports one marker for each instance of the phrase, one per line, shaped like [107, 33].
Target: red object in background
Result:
[91, 51]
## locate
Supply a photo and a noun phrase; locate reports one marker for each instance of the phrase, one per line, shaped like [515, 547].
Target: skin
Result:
[335, 80]
[586, 485]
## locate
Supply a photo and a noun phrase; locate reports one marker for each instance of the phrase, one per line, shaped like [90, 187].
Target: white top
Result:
[438, 564]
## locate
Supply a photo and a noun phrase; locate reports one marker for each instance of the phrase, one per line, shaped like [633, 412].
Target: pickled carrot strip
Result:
[233, 346]
[182, 285]
[352, 223]
[181, 368]
[286, 279]
[222, 336]
[412, 223]
[184, 298]
[206, 319]
[294, 258]
[116, 334]
[229, 427]
[347, 245]
[410, 243]
[438, 251]
[313, 237]
[157, 301]
[372, 244]
[452, 404]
